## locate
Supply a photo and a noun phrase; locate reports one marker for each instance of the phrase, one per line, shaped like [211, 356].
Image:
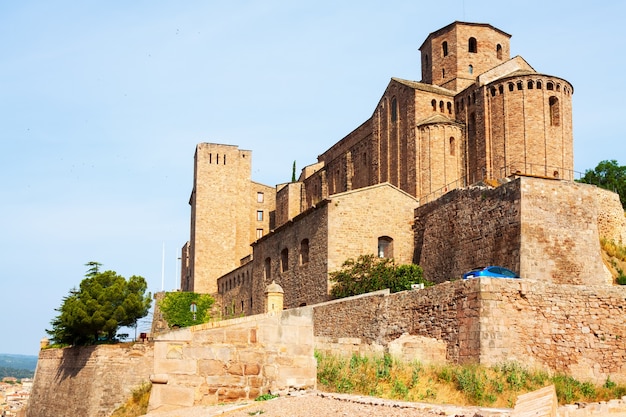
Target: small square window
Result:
[259, 197]
[259, 215]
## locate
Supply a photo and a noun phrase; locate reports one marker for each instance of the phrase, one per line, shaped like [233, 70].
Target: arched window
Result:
[555, 111]
[385, 247]
[444, 47]
[470, 69]
[443, 73]
[394, 109]
[449, 105]
[530, 84]
[493, 91]
[499, 51]
[441, 106]
[519, 85]
[434, 104]
[511, 86]
[550, 86]
[304, 252]
[284, 260]
[452, 151]
[538, 85]
[472, 45]
[267, 269]
[501, 89]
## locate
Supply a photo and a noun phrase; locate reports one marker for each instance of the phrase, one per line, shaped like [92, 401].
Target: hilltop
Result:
[18, 366]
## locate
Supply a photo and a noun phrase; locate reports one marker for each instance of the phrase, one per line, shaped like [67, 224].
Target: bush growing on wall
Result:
[177, 309]
[369, 273]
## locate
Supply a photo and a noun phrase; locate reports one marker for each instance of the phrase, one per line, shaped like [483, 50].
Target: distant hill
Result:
[18, 366]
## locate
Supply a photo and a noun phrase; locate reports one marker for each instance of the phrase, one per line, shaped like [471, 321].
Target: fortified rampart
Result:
[571, 329]
[88, 381]
[547, 230]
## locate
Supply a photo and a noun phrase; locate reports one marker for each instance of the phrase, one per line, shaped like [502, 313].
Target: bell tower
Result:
[455, 55]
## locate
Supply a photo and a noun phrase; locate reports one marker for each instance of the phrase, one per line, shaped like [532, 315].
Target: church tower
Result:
[455, 55]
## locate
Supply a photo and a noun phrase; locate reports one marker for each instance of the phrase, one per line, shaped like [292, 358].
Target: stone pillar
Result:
[274, 295]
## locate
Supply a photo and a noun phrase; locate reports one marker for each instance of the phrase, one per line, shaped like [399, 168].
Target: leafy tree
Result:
[369, 273]
[608, 175]
[176, 308]
[102, 304]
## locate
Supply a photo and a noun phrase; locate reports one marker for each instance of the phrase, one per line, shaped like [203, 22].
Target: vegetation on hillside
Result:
[15, 373]
[610, 176]
[370, 273]
[104, 302]
[183, 308]
[496, 386]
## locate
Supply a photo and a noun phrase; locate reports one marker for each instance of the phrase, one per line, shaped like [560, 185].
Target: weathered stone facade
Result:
[228, 211]
[477, 115]
[299, 254]
[571, 329]
[547, 230]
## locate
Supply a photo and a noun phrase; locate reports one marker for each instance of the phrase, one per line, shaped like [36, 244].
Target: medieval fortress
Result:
[471, 166]
[478, 118]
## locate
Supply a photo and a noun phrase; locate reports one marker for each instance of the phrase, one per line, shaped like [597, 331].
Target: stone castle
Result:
[471, 166]
[477, 117]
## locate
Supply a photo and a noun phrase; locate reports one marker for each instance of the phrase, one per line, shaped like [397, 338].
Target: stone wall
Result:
[88, 381]
[233, 360]
[575, 330]
[542, 229]
[468, 228]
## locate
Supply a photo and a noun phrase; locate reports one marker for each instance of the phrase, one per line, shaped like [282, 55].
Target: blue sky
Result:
[103, 104]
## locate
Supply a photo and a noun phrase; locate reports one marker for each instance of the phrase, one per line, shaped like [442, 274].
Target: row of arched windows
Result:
[234, 281]
[472, 47]
[303, 259]
[443, 107]
[530, 84]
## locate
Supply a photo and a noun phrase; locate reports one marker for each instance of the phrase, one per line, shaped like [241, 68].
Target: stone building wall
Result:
[88, 381]
[280, 257]
[220, 236]
[233, 360]
[359, 218]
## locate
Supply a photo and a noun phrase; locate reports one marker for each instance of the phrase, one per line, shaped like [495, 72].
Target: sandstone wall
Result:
[576, 330]
[468, 228]
[448, 312]
[88, 381]
[611, 216]
[560, 239]
[542, 229]
[233, 360]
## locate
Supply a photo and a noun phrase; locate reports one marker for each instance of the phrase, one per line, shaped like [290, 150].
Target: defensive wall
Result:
[88, 381]
[571, 329]
[545, 229]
